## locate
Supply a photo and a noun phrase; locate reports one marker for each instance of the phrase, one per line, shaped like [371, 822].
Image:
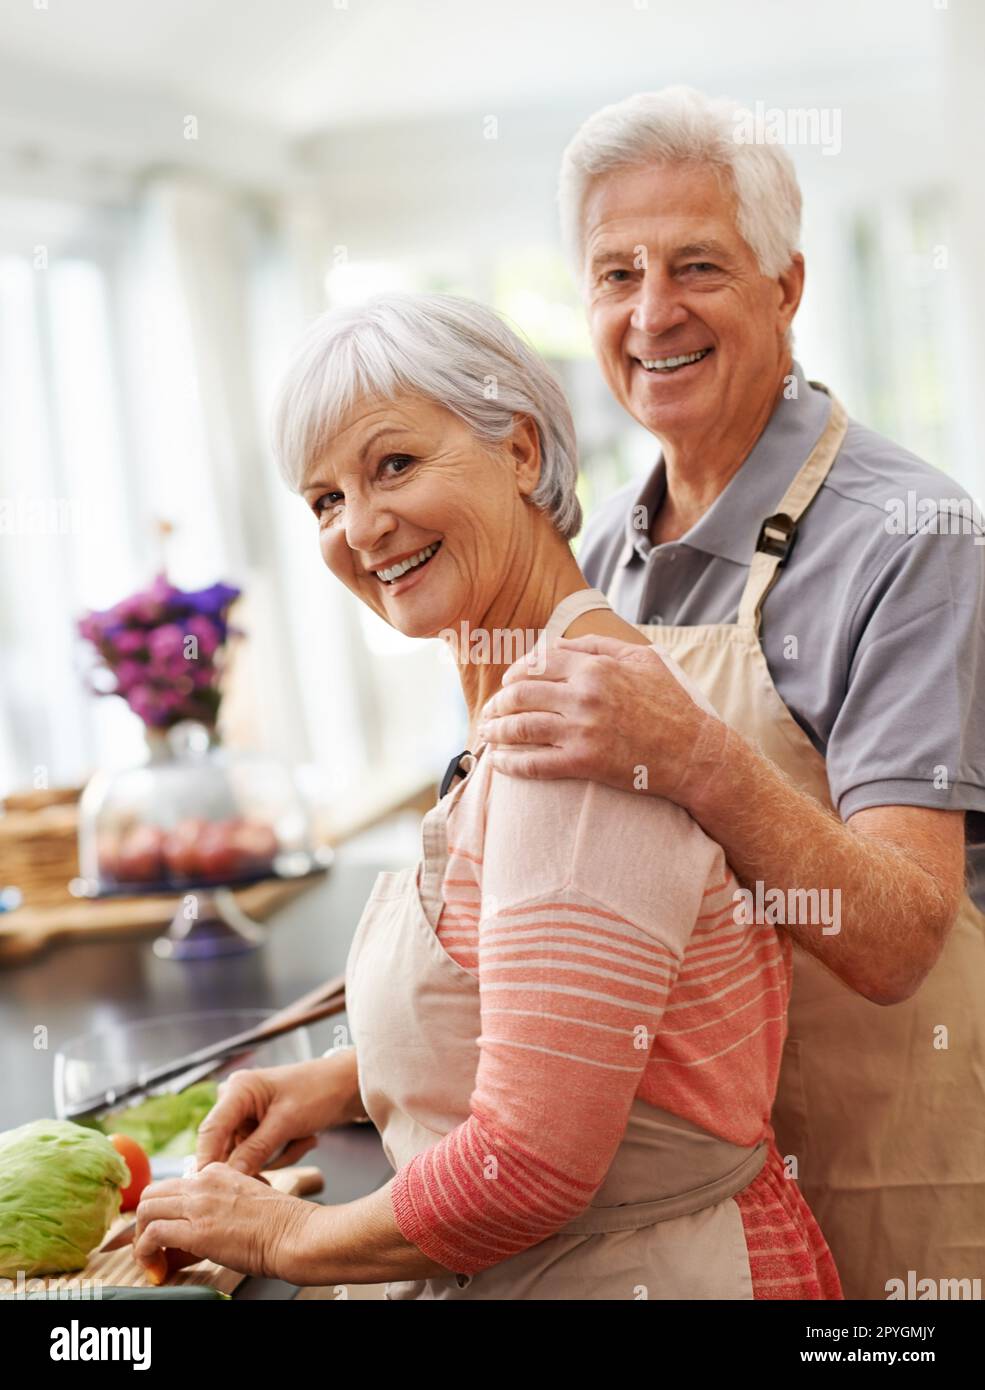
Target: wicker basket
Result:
[39, 849]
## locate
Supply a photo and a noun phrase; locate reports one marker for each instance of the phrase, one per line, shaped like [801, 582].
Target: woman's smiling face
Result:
[404, 476]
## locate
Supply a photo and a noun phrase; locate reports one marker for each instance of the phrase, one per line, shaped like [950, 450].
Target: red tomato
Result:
[138, 1163]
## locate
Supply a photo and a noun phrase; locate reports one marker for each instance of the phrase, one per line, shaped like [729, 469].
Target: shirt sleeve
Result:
[911, 728]
[588, 899]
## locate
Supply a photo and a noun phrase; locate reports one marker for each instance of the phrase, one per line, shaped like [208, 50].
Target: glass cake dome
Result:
[194, 814]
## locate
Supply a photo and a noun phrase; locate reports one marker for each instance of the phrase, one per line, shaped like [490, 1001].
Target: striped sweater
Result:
[601, 927]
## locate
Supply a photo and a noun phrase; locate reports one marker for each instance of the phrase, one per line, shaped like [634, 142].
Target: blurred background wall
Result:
[185, 183]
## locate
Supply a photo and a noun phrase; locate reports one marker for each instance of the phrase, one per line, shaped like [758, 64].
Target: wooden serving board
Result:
[118, 1267]
[27, 930]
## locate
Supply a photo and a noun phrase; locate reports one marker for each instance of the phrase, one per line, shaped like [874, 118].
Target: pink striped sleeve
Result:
[588, 899]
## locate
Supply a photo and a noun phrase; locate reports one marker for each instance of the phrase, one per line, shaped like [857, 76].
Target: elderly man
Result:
[846, 661]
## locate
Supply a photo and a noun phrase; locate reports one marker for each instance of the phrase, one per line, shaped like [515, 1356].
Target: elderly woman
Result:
[566, 1036]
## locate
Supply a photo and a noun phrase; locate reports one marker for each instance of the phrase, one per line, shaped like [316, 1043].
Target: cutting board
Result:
[28, 930]
[118, 1267]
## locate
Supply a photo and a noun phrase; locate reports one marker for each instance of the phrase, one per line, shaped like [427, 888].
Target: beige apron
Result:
[662, 1225]
[888, 1129]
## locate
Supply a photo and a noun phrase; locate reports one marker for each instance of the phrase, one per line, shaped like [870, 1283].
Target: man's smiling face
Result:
[668, 276]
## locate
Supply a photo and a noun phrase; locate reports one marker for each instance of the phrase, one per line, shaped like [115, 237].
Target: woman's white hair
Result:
[444, 349]
[679, 125]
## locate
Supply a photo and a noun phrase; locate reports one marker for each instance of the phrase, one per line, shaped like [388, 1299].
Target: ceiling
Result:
[300, 66]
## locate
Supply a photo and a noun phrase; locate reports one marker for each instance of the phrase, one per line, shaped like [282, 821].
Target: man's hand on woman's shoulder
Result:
[607, 711]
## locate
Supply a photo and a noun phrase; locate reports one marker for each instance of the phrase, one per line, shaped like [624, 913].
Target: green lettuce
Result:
[60, 1188]
[165, 1125]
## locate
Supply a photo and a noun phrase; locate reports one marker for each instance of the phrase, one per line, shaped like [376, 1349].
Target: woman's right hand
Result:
[259, 1112]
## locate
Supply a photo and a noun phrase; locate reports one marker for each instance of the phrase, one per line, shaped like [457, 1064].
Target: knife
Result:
[319, 1003]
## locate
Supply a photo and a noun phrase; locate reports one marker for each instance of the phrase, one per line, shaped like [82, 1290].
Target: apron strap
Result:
[434, 832]
[581, 601]
[433, 844]
[632, 1216]
[777, 532]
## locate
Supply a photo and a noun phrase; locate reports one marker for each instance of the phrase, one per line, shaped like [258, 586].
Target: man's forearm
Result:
[893, 913]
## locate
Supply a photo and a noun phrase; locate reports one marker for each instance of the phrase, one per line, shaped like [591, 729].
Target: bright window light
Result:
[350, 282]
[381, 638]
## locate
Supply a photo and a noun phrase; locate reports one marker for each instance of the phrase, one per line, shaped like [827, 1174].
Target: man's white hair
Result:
[679, 125]
[441, 348]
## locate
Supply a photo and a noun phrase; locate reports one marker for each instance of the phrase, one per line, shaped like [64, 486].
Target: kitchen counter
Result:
[79, 988]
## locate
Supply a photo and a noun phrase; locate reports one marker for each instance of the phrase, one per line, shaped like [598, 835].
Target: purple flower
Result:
[171, 701]
[89, 627]
[174, 670]
[138, 608]
[143, 701]
[162, 591]
[129, 640]
[214, 600]
[208, 634]
[129, 674]
[142, 642]
[166, 642]
[202, 675]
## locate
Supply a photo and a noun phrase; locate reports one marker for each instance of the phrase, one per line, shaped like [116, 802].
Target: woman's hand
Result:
[221, 1215]
[260, 1112]
[602, 709]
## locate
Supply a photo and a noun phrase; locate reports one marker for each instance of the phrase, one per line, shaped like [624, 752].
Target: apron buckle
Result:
[776, 535]
[453, 770]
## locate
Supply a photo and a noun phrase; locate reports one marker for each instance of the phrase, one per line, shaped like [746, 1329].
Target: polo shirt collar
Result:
[730, 527]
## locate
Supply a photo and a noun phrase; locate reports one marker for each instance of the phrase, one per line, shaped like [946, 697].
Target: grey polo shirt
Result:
[887, 672]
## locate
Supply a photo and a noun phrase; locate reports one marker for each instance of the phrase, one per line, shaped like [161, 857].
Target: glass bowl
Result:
[116, 1056]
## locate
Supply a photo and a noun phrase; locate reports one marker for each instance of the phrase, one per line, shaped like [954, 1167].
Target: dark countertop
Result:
[81, 987]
